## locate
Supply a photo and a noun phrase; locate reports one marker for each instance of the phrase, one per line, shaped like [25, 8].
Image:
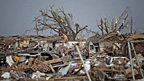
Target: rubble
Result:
[110, 63]
[6, 75]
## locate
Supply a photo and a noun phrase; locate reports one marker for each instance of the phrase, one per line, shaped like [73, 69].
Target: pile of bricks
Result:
[39, 65]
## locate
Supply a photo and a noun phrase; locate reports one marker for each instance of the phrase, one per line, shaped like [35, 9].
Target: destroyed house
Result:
[8, 40]
[110, 43]
[113, 43]
[138, 42]
[54, 41]
[93, 44]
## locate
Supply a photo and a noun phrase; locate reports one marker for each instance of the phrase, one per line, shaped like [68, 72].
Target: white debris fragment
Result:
[6, 75]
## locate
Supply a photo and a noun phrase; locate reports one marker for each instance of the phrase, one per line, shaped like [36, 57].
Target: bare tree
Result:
[100, 26]
[58, 21]
[119, 24]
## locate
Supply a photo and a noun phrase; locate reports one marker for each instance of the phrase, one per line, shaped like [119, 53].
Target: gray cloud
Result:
[16, 15]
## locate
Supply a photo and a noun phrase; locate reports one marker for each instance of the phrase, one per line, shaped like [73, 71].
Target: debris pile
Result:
[111, 58]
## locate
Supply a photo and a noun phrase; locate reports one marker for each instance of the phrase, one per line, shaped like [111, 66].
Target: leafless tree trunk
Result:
[119, 24]
[60, 22]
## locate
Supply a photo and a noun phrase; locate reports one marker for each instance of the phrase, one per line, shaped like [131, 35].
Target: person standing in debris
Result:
[5, 47]
[87, 54]
[9, 47]
[40, 48]
[54, 42]
[72, 54]
[59, 54]
[63, 53]
[50, 50]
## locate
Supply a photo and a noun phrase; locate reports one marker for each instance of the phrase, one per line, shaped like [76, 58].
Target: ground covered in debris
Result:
[112, 58]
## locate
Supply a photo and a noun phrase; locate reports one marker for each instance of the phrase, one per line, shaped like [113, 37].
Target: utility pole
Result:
[131, 24]
[36, 27]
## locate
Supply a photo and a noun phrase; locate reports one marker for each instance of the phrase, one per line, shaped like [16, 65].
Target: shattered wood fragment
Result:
[20, 67]
[128, 72]
[108, 36]
[66, 59]
[30, 61]
[123, 48]
[75, 78]
[134, 37]
[108, 51]
[10, 67]
[52, 68]
[116, 46]
[108, 70]
[53, 61]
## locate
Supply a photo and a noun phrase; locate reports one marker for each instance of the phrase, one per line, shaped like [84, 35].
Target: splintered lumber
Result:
[53, 61]
[135, 36]
[108, 51]
[123, 48]
[116, 46]
[10, 67]
[128, 72]
[74, 78]
[108, 36]
[66, 59]
[52, 68]
[135, 41]
[30, 61]
[20, 67]
[107, 70]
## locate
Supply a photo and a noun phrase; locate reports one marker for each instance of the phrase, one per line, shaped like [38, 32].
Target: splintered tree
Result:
[119, 24]
[59, 22]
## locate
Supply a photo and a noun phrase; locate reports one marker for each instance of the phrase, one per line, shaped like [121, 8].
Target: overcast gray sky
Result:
[17, 15]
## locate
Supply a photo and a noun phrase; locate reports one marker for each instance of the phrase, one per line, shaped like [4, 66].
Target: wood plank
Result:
[10, 67]
[123, 48]
[53, 61]
[135, 36]
[52, 68]
[113, 48]
[70, 78]
[108, 36]
[108, 51]
[113, 41]
[107, 70]
[136, 41]
[116, 46]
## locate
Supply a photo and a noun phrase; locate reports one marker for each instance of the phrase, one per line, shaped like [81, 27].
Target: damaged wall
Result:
[92, 48]
[139, 47]
[102, 45]
[23, 43]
